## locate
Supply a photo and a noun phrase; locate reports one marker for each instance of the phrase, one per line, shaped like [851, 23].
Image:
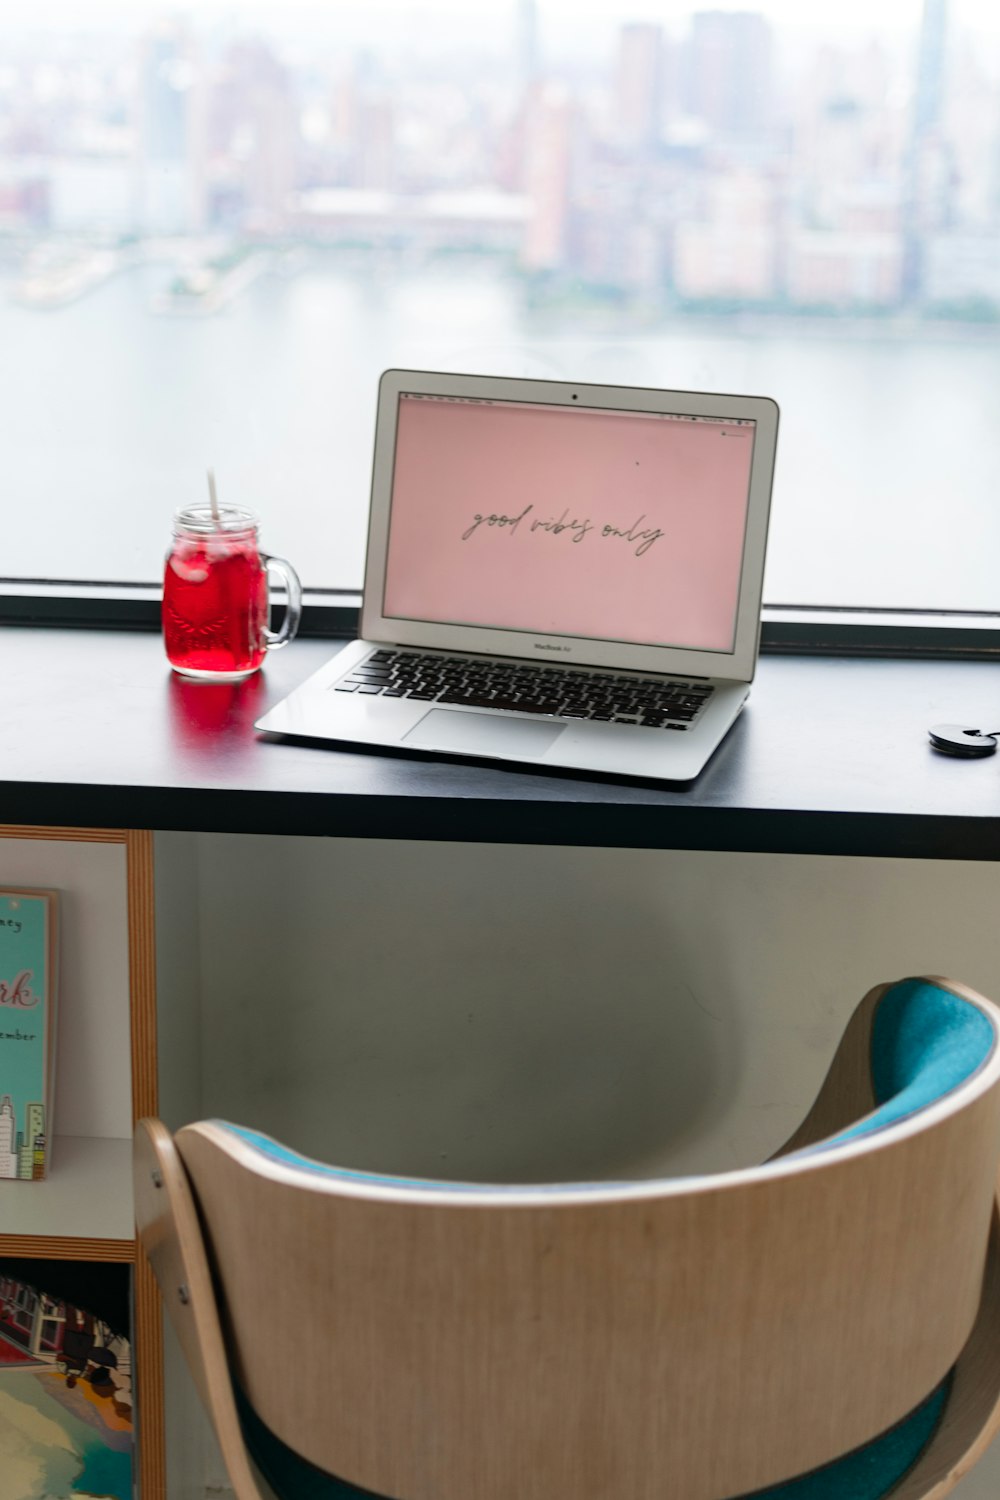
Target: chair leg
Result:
[171, 1237]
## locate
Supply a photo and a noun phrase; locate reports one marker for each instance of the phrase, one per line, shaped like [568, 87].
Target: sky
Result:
[430, 23]
[342, 15]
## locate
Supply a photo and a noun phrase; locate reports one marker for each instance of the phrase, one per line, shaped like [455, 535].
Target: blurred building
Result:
[253, 135]
[847, 142]
[552, 138]
[364, 117]
[639, 102]
[25, 196]
[728, 76]
[730, 250]
[831, 269]
[527, 54]
[472, 220]
[972, 126]
[374, 145]
[961, 271]
[621, 221]
[170, 135]
[929, 178]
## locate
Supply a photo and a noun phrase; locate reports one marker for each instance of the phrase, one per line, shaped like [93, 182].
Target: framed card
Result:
[28, 921]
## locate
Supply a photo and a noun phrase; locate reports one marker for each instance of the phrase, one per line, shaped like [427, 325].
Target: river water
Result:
[888, 481]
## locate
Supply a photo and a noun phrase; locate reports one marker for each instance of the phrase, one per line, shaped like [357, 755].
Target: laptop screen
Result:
[577, 521]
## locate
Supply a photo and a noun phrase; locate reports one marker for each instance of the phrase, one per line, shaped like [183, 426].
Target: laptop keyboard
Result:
[559, 692]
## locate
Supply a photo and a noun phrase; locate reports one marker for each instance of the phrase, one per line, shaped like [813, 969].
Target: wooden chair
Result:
[822, 1327]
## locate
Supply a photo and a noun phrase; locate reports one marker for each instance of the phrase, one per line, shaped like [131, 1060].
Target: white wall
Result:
[521, 1012]
[548, 1012]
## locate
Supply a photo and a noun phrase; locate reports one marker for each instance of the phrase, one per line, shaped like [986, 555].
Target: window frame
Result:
[786, 628]
[333, 614]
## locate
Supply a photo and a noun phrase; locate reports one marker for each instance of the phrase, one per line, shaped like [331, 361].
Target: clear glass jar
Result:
[216, 602]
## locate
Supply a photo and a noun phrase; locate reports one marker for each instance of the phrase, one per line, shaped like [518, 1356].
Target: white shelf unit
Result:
[105, 1078]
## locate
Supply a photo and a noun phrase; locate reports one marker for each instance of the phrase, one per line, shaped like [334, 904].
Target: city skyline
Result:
[214, 237]
[694, 170]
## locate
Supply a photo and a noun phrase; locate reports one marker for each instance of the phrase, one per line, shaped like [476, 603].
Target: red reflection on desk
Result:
[202, 710]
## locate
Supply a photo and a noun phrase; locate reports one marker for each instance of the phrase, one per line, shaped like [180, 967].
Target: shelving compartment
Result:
[105, 1078]
[87, 1194]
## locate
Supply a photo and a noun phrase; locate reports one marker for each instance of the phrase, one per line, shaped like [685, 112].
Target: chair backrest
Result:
[698, 1337]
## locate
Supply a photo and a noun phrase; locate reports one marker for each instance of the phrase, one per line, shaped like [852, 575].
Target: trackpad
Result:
[482, 734]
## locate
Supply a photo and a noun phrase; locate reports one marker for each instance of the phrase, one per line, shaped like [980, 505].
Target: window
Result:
[220, 222]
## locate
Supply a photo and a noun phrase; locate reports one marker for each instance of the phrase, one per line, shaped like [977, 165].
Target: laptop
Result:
[558, 575]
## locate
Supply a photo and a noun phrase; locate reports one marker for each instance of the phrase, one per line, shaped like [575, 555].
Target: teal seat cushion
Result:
[874, 1470]
[925, 1042]
[868, 1473]
[290, 1477]
[274, 1151]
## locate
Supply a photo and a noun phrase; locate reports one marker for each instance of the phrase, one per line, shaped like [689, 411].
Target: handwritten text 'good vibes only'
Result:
[577, 529]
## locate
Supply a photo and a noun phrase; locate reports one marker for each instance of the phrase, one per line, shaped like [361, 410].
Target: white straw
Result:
[213, 499]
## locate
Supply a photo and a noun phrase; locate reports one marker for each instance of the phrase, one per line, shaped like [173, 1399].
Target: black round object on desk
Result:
[954, 739]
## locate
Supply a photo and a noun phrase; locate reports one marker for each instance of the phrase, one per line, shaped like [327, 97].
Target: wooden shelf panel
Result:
[34, 1247]
[86, 1196]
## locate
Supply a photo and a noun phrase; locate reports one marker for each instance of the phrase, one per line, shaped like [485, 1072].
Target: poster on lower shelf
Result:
[66, 1424]
[27, 1031]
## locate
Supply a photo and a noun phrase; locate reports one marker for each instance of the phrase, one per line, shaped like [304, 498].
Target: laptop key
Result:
[466, 698]
[346, 687]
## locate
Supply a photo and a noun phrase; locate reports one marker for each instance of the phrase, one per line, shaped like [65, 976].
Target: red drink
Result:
[215, 595]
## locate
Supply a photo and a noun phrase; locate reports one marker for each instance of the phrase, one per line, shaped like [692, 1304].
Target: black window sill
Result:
[333, 615]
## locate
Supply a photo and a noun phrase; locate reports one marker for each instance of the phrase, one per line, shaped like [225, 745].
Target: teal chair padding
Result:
[866, 1474]
[925, 1043]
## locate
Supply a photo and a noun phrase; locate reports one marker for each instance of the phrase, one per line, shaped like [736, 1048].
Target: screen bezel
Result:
[736, 664]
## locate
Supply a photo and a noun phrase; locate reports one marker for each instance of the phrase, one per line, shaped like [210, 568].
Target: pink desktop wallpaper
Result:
[569, 522]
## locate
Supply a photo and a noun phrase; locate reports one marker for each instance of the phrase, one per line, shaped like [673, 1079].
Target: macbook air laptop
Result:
[558, 574]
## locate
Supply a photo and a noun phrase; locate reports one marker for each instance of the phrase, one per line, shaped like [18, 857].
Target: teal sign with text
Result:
[26, 1016]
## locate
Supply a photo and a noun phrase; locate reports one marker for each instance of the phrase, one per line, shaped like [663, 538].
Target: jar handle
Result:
[293, 608]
